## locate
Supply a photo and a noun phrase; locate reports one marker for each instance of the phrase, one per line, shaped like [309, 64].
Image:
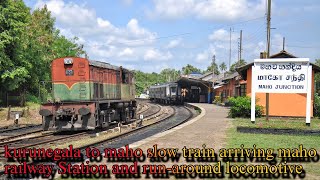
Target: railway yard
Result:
[156, 119]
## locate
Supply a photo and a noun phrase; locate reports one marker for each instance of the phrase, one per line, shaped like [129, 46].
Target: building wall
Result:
[282, 104]
[229, 89]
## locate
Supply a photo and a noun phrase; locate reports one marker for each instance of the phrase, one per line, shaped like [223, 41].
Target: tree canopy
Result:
[28, 43]
[237, 64]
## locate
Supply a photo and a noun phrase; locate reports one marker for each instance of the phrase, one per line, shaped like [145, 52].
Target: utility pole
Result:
[240, 51]
[213, 62]
[268, 52]
[230, 51]
[283, 43]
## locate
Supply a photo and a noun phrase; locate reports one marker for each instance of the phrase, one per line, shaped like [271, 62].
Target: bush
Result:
[32, 98]
[241, 107]
[217, 100]
[316, 105]
[227, 103]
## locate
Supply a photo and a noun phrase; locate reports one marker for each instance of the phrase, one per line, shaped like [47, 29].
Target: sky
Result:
[151, 35]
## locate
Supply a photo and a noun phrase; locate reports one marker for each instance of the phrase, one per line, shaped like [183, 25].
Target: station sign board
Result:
[281, 77]
[284, 75]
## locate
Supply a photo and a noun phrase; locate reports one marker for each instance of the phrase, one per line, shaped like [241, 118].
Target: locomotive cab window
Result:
[69, 72]
[125, 77]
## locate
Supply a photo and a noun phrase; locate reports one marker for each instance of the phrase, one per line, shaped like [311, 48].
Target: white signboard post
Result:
[286, 75]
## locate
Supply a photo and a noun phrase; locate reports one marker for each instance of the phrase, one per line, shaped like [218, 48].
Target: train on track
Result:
[87, 95]
[168, 93]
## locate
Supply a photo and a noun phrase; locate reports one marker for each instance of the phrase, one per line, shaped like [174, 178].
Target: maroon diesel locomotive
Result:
[87, 95]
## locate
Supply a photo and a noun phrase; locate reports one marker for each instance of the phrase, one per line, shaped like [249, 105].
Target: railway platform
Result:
[208, 128]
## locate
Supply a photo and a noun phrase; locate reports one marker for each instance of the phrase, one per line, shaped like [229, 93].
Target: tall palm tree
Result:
[223, 66]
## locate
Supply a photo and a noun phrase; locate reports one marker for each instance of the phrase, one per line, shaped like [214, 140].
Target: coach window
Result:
[173, 89]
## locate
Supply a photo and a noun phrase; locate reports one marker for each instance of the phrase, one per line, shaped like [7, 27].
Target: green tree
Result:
[223, 67]
[43, 44]
[213, 66]
[190, 69]
[170, 74]
[28, 44]
[237, 64]
[145, 80]
[14, 18]
[317, 77]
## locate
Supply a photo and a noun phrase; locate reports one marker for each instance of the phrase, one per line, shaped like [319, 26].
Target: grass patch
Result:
[279, 123]
[235, 139]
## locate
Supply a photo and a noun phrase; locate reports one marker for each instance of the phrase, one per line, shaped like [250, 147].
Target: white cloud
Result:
[102, 39]
[201, 57]
[222, 35]
[82, 21]
[126, 52]
[171, 9]
[69, 13]
[217, 10]
[104, 23]
[173, 43]
[205, 57]
[156, 55]
[155, 67]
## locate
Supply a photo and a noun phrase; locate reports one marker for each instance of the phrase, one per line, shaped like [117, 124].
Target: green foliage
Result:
[216, 69]
[237, 64]
[145, 80]
[170, 75]
[223, 66]
[28, 44]
[32, 98]
[190, 69]
[14, 18]
[317, 77]
[316, 105]
[241, 107]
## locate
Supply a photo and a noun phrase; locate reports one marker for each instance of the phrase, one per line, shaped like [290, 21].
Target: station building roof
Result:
[184, 81]
[242, 70]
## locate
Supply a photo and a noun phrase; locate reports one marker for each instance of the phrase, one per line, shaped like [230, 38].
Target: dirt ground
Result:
[30, 116]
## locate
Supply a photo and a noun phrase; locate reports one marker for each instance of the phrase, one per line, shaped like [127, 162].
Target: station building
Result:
[293, 105]
[239, 84]
[196, 90]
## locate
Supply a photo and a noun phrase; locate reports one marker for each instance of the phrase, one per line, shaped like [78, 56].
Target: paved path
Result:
[209, 130]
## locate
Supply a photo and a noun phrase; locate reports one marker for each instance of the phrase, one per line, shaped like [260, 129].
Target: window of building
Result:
[243, 89]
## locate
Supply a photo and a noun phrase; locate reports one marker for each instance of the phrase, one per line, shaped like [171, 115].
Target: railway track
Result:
[15, 133]
[143, 108]
[8, 133]
[160, 119]
[7, 130]
[169, 120]
[182, 114]
[51, 137]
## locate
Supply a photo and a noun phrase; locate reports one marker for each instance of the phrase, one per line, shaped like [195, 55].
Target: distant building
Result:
[208, 77]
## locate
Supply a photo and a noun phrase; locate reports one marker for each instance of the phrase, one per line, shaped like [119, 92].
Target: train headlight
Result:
[68, 61]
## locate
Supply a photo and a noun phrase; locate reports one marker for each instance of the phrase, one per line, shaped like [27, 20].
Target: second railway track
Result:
[181, 114]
